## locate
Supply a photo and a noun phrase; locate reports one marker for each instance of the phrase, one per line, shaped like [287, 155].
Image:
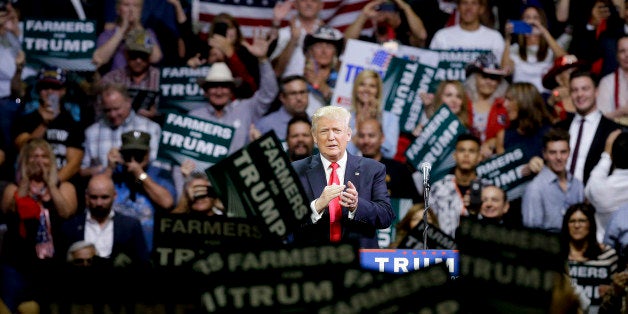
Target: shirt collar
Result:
[593, 116]
[92, 220]
[342, 163]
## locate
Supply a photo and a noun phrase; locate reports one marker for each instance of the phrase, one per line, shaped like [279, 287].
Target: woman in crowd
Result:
[532, 53]
[366, 103]
[579, 242]
[38, 204]
[450, 93]
[486, 85]
[411, 219]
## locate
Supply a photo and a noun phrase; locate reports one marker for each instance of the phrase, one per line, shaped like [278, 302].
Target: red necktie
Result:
[335, 213]
[574, 159]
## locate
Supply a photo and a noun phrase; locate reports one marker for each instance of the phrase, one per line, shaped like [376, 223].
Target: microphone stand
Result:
[426, 197]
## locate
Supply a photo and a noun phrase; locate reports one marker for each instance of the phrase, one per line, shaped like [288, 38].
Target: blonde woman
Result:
[366, 103]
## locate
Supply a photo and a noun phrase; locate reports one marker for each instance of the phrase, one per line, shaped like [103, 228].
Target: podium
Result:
[403, 261]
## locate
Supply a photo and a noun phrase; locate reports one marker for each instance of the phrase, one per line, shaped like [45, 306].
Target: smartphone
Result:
[221, 28]
[387, 6]
[521, 27]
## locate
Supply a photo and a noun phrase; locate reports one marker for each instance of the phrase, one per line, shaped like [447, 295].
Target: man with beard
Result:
[121, 254]
[113, 233]
[398, 176]
[141, 188]
[139, 76]
[299, 138]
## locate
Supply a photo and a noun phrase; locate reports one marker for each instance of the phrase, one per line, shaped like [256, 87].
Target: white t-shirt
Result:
[484, 38]
[532, 70]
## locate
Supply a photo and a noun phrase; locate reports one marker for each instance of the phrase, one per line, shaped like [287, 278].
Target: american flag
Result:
[254, 13]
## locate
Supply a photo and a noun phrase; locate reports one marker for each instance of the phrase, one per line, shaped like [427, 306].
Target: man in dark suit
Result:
[118, 237]
[588, 128]
[362, 198]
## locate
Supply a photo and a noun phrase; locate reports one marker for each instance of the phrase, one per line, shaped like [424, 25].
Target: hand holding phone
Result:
[521, 27]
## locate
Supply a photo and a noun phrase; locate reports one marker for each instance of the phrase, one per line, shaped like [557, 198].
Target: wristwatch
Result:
[142, 176]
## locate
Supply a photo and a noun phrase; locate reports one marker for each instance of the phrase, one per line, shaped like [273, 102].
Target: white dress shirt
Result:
[589, 128]
[101, 236]
[340, 171]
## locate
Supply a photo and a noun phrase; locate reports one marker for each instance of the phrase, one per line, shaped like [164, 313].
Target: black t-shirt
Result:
[62, 132]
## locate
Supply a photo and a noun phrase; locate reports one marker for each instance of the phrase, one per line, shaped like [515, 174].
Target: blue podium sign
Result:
[403, 261]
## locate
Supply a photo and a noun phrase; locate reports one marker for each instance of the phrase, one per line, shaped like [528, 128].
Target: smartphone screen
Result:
[521, 27]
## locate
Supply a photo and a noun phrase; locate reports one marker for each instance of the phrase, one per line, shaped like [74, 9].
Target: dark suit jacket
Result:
[374, 210]
[605, 127]
[128, 237]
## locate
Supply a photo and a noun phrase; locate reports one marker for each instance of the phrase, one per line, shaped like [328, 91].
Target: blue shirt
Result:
[544, 202]
[277, 121]
[617, 230]
[133, 201]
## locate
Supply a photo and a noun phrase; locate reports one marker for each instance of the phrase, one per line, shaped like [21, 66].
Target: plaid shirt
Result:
[446, 202]
[100, 138]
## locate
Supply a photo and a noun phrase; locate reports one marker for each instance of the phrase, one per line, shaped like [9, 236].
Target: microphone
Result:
[425, 168]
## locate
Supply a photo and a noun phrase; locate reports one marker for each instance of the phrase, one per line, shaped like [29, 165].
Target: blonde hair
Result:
[362, 76]
[463, 115]
[330, 112]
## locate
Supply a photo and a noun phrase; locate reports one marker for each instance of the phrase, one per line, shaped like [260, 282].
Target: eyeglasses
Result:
[133, 154]
[296, 93]
[578, 221]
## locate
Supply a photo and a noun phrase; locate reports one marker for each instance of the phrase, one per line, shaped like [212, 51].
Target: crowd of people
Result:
[81, 183]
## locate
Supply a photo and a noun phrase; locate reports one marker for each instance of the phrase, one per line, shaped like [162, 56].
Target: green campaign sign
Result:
[403, 82]
[452, 65]
[436, 143]
[257, 181]
[179, 87]
[505, 171]
[68, 44]
[203, 141]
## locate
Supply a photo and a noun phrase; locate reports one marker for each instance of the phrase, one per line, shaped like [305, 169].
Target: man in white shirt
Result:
[587, 142]
[612, 98]
[288, 57]
[470, 33]
[608, 191]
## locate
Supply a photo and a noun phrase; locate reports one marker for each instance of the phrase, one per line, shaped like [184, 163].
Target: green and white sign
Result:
[437, 143]
[452, 65]
[258, 182]
[505, 171]
[179, 87]
[403, 83]
[68, 44]
[203, 141]
[400, 206]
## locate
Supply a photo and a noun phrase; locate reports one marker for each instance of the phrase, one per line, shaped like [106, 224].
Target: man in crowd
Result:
[293, 95]
[239, 113]
[399, 180]
[105, 134]
[450, 195]
[299, 138]
[588, 128]
[554, 189]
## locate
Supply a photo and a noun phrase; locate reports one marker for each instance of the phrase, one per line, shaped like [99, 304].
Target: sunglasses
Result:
[53, 86]
[138, 55]
[133, 154]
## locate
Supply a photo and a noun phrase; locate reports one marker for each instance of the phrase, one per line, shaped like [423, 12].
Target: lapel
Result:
[316, 175]
[352, 173]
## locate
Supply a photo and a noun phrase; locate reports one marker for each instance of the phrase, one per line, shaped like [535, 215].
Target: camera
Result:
[3, 5]
[220, 28]
[387, 6]
[475, 196]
